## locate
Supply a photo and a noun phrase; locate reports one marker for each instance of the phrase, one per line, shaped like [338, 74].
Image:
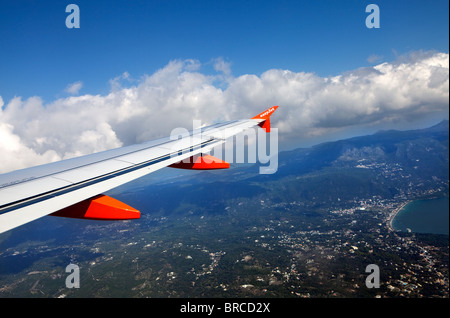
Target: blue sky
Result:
[40, 56]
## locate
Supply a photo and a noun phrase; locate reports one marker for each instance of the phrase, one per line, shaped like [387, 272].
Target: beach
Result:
[393, 214]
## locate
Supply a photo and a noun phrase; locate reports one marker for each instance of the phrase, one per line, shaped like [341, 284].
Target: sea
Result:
[424, 216]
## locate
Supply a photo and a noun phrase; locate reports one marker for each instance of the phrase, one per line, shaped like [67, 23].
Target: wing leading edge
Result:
[74, 187]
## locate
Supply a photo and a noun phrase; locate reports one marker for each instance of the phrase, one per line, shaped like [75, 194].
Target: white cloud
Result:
[116, 81]
[74, 88]
[16, 155]
[220, 65]
[374, 58]
[311, 106]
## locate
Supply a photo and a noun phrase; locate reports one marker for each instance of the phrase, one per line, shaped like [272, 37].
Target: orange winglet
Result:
[100, 207]
[201, 162]
[266, 116]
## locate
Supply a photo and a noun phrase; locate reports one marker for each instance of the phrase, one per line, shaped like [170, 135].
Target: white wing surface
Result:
[74, 187]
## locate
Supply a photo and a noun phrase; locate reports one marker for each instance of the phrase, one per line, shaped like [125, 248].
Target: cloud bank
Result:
[32, 132]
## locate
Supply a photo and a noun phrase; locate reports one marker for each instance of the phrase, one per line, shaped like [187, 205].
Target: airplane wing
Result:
[74, 187]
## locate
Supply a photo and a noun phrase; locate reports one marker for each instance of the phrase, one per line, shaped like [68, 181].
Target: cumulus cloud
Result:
[74, 88]
[220, 65]
[32, 132]
[374, 58]
[15, 154]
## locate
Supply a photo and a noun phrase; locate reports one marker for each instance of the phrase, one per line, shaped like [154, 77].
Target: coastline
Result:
[394, 213]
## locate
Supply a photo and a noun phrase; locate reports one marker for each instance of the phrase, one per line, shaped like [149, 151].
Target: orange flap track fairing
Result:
[101, 207]
[201, 162]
